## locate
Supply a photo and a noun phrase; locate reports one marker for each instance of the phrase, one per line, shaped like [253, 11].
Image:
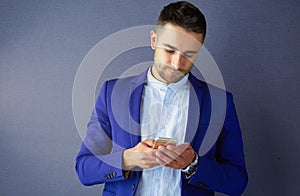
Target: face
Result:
[175, 51]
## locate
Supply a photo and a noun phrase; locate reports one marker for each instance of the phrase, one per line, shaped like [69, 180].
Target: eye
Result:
[188, 55]
[169, 51]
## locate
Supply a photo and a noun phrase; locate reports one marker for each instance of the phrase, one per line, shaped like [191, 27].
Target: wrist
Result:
[191, 169]
[127, 163]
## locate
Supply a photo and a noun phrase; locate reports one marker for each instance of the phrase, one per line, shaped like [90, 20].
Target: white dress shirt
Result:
[164, 113]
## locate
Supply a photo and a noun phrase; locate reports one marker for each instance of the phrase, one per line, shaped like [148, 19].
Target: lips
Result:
[174, 72]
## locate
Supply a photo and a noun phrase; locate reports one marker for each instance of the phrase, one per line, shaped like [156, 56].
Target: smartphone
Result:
[163, 141]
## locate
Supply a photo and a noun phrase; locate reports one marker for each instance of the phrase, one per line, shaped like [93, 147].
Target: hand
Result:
[142, 155]
[177, 157]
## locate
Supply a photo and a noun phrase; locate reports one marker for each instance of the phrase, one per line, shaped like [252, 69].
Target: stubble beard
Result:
[162, 69]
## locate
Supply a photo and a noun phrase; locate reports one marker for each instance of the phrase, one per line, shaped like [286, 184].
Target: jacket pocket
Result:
[109, 189]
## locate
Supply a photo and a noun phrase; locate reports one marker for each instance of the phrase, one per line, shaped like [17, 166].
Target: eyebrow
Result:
[174, 48]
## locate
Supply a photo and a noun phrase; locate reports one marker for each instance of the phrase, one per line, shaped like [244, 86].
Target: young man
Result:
[119, 146]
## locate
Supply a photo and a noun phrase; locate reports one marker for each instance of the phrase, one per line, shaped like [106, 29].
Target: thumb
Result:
[148, 142]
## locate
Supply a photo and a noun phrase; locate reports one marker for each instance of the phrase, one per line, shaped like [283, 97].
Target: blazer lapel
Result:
[207, 109]
[195, 102]
[136, 93]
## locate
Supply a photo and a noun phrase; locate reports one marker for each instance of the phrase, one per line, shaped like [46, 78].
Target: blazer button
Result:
[105, 176]
[202, 184]
[114, 174]
[133, 187]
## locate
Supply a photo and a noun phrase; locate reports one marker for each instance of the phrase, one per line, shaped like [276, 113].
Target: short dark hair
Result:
[185, 15]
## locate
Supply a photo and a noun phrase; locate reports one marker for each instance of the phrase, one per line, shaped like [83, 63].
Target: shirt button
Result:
[166, 102]
[163, 126]
[156, 180]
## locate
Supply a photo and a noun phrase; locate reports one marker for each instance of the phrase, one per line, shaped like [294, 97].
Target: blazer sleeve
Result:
[96, 161]
[226, 172]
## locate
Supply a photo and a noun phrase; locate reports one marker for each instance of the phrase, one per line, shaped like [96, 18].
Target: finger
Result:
[169, 151]
[163, 158]
[148, 142]
[180, 149]
[147, 159]
[176, 164]
[166, 156]
[148, 164]
[162, 162]
[185, 155]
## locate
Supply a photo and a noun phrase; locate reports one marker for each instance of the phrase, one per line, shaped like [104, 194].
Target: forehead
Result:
[179, 38]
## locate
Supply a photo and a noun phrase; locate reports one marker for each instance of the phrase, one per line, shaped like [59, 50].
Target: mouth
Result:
[175, 72]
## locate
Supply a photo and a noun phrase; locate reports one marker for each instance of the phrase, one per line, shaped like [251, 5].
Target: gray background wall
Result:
[42, 43]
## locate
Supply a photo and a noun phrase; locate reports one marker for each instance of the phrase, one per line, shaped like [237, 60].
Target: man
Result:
[130, 112]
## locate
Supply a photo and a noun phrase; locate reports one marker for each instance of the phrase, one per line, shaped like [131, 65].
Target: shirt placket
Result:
[168, 107]
[167, 96]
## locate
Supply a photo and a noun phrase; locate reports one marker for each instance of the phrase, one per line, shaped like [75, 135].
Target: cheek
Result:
[188, 65]
[162, 58]
[168, 59]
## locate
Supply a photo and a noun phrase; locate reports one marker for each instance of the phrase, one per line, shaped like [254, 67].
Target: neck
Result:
[156, 75]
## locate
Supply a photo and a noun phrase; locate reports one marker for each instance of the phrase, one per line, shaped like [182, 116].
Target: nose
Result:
[176, 60]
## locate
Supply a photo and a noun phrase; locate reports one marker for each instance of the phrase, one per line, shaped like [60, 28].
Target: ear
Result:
[153, 38]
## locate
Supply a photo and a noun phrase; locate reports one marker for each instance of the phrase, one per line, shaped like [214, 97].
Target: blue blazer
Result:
[212, 130]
